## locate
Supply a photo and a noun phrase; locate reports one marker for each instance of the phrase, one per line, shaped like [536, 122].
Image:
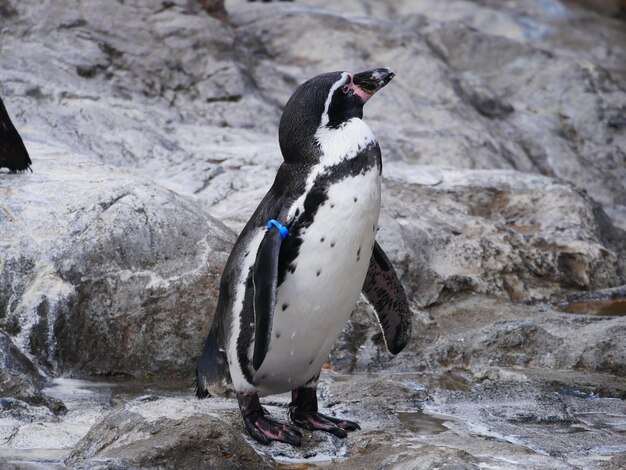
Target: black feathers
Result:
[384, 292]
[302, 117]
[265, 273]
[13, 154]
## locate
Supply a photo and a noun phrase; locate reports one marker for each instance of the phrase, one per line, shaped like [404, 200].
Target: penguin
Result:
[302, 260]
[13, 153]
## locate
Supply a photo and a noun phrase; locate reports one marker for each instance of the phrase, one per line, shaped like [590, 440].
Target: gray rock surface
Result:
[490, 97]
[478, 332]
[507, 233]
[153, 432]
[151, 123]
[20, 379]
[106, 273]
[512, 419]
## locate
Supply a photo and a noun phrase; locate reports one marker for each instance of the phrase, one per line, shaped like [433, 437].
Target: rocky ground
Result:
[152, 127]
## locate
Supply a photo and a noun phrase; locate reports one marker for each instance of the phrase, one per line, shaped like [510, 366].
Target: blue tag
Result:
[283, 230]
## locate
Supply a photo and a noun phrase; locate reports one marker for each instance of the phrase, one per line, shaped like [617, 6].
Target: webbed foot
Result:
[303, 412]
[262, 428]
[314, 421]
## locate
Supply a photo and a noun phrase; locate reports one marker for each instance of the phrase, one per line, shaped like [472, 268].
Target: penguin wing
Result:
[288, 185]
[384, 292]
[265, 279]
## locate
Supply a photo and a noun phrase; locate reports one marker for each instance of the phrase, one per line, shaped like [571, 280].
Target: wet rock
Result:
[104, 272]
[20, 380]
[154, 432]
[560, 424]
[16, 414]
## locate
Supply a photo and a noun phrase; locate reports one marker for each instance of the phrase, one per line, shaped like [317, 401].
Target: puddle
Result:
[448, 381]
[114, 392]
[86, 401]
[602, 308]
[422, 424]
[33, 459]
[575, 393]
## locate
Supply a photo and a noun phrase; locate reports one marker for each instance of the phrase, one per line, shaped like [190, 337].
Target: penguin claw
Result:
[266, 430]
[314, 421]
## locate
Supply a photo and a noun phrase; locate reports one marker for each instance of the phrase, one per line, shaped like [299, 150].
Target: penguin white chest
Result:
[318, 294]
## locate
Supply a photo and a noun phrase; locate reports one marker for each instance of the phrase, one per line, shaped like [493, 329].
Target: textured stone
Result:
[104, 272]
[503, 146]
[159, 433]
[19, 379]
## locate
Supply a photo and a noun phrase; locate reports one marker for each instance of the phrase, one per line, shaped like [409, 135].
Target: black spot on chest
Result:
[366, 159]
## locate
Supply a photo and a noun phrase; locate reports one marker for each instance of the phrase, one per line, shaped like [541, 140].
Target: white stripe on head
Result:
[336, 145]
[329, 98]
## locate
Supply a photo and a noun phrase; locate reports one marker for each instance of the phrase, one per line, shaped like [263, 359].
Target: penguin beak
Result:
[370, 81]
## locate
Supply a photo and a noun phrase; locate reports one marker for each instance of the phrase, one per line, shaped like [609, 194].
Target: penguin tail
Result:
[13, 153]
[212, 376]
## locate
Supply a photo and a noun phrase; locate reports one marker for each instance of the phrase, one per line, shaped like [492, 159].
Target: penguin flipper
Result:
[265, 281]
[13, 153]
[384, 292]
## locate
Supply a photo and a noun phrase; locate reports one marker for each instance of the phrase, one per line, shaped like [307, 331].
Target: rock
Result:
[148, 86]
[503, 148]
[605, 7]
[478, 332]
[214, 8]
[19, 379]
[408, 421]
[104, 272]
[557, 424]
[16, 414]
[153, 432]
[523, 236]
[484, 99]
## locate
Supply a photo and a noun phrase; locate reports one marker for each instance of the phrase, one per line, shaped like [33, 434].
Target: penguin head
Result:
[328, 100]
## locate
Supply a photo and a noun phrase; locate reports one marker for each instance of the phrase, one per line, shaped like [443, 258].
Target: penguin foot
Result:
[262, 428]
[303, 412]
[265, 430]
[314, 421]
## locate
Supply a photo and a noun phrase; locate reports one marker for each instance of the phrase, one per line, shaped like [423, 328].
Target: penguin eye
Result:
[347, 90]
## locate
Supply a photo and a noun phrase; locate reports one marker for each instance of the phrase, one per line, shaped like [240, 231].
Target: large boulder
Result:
[106, 273]
[523, 236]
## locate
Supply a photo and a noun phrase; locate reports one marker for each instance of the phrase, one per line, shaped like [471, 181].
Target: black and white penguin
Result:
[303, 258]
[13, 153]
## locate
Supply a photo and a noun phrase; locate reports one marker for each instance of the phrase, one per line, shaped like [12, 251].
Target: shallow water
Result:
[45, 446]
[422, 424]
[603, 308]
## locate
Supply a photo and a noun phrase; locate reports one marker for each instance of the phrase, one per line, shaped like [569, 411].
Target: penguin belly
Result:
[314, 302]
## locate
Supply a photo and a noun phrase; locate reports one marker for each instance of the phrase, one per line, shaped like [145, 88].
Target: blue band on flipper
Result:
[283, 230]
